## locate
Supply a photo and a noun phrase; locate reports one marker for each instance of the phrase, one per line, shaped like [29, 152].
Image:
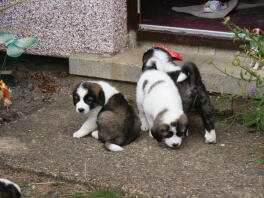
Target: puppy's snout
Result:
[81, 110]
[175, 146]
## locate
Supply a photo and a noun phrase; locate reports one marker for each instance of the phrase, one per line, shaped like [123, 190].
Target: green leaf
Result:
[6, 38]
[14, 51]
[236, 62]
[25, 42]
[260, 160]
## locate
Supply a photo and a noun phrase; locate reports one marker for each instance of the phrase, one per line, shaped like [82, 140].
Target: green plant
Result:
[80, 195]
[103, 193]
[252, 47]
[260, 160]
[56, 183]
[252, 152]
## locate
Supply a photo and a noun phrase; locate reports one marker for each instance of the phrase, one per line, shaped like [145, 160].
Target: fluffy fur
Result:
[9, 189]
[160, 108]
[188, 80]
[111, 119]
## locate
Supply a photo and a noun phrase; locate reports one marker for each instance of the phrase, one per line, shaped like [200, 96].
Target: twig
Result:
[44, 183]
[11, 5]
[85, 170]
[224, 72]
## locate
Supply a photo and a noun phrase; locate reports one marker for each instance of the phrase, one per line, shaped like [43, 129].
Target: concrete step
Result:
[126, 66]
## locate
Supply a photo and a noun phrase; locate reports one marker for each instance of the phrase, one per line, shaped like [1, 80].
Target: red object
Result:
[171, 52]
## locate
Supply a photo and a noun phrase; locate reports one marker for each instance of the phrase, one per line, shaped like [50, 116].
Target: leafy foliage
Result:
[252, 47]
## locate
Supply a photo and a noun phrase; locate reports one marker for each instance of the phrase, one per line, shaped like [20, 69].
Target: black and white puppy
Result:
[160, 108]
[111, 119]
[9, 189]
[188, 80]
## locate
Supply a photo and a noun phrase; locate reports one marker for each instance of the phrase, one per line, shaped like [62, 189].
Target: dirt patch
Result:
[41, 186]
[31, 92]
[9, 145]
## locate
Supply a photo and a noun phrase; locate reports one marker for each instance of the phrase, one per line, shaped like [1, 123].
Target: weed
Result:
[252, 152]
[260, 160]
[253, 48]
[56, 183]
[103, 193]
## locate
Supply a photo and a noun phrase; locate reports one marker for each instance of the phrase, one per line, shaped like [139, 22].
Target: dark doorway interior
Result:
[158, 12]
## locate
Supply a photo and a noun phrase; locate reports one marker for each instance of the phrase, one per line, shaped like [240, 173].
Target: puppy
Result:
[160, 108]
[189, 83]
[9, 189]
[256, 64]
[111, 119]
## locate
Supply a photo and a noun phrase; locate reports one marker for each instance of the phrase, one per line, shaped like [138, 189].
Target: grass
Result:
[79, 195]
[56, 183]
[103, 193]
[96, 193]
[252, 151]
[260, 160]
[23, 185]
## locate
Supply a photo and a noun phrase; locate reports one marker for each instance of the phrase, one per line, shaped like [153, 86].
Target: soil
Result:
[40, 186]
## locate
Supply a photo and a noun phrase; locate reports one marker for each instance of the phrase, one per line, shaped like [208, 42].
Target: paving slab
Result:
[126, 66]
[42, 142]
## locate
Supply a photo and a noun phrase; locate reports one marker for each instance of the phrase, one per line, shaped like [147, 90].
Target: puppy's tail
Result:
[190, 72]
[113, 147]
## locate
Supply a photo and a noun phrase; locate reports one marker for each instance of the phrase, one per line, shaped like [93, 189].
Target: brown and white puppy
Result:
[111, 119]
[189, 83]
[160, 108]
[9, 189]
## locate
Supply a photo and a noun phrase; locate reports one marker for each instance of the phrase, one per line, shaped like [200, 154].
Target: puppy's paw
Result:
[144, 126]
[113, 147]
[79, 134]
[95, 135]
[150, 134]
[210, 137]
[186, 133]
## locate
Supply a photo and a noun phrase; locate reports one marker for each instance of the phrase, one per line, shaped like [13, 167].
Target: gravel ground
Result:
[39, 140]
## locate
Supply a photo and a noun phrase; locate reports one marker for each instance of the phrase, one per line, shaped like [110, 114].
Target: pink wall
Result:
[66, 27]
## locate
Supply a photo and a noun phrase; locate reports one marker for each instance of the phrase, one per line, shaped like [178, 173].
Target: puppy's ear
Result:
[164, 128]
[98, 93]
[148, 55]
[74, 95]
[13, 191]
[101, 97]
[181, 124]
[159, 132]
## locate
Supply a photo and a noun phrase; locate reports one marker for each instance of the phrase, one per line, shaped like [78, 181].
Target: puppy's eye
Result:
[90, 102]
[76, 97]
[170, 134]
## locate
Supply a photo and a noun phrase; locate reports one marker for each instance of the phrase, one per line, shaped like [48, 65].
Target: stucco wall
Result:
[66, 27]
